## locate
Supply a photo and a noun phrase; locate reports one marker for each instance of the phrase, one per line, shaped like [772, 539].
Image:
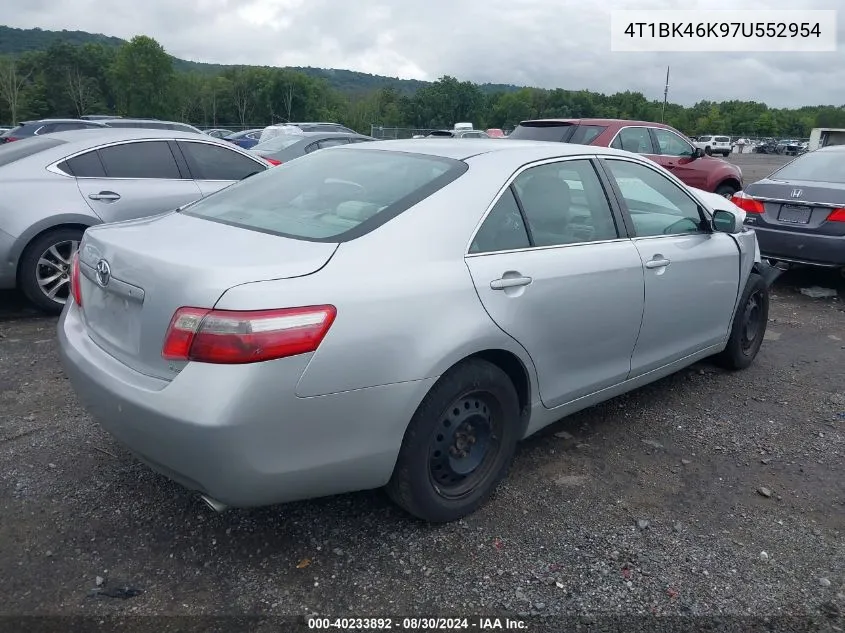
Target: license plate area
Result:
[795, 214]
[112, 317]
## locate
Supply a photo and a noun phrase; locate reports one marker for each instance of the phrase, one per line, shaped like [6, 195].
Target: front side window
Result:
[147, 159]
[565, 203]
[657, 205]
[330, 196]
[670, 144]
[633, 139]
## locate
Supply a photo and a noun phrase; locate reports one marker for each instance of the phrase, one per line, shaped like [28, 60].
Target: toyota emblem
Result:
[103, 272]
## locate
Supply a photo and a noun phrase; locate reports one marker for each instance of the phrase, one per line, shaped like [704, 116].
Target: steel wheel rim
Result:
[465, 444]
[751, 324]
[52, 271]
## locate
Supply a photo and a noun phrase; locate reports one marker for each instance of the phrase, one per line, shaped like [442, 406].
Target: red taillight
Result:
[747, 203]
[9, 139]
[272, 161]
[837, 215]
[75, 289]
[235, 337]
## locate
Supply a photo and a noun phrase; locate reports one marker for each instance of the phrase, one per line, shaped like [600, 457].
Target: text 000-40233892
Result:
[723, 31]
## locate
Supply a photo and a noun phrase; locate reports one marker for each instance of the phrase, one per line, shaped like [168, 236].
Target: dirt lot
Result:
[708, 493]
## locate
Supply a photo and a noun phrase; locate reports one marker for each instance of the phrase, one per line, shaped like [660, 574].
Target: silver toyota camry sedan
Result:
[400, 314]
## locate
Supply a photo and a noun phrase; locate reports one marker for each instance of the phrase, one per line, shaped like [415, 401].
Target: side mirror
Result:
[697, 153]
[724, 221]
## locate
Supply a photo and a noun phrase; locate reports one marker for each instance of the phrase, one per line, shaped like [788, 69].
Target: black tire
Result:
[420, 482]
[747, 334]
[28, 268]
[726, 190]
[708, 151]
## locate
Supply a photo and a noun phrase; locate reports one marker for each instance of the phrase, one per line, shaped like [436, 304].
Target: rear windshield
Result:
[816, 166]
[330, 196]
[279, 142]
[557, 132]
[21, 131]
[11, 152]
[722, 139]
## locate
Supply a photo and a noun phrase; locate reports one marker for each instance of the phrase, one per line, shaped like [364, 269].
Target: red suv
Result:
[663, 144]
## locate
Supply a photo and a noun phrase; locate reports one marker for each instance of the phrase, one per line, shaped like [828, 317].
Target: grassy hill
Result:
[16, 41]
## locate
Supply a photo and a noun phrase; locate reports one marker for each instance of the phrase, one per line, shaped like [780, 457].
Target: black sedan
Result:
[798, 212]
[285, 147]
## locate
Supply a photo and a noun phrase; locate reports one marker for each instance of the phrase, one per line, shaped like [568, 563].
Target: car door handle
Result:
[509, 282]
[657, 262]
[105, 196]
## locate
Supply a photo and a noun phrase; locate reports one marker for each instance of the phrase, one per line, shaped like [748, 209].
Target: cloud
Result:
[545, 43]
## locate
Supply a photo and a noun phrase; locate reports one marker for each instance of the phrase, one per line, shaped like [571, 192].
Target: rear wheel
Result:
[44, 269]
[459, 443]
[749, 325]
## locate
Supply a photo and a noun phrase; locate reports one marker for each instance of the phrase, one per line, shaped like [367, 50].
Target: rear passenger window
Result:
[634, 139]
[148, 159]
[565, 203]
[503, 229]
[86, 165]
[212, 162]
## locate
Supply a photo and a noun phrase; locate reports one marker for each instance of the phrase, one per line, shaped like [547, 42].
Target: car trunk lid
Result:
[136, 274]
[800, 205]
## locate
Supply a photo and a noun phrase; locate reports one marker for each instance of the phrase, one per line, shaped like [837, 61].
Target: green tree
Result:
[143, 78]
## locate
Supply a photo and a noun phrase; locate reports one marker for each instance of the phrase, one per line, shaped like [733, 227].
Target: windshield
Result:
[334, 195]
[278, 143]
[815, 167]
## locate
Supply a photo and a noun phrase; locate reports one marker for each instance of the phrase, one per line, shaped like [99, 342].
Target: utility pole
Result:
[665, 97]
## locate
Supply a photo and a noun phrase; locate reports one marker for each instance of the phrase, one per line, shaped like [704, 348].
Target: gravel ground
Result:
[706, 494]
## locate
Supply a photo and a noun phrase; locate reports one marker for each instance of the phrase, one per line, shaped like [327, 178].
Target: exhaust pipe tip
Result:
[214, 504]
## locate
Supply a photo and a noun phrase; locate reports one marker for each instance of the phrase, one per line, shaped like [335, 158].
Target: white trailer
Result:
[824, 136]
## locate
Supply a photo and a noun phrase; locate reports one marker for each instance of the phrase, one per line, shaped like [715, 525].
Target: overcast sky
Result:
[545, 43]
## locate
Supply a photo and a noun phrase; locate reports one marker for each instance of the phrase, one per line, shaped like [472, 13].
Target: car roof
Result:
[624, 122]
[85, 121]
[458, 149]
[113, 134]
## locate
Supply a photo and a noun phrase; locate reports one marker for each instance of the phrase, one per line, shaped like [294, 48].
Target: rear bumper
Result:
[238, 433]
[802, 248]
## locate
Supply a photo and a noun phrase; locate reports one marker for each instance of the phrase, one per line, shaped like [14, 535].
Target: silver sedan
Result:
[400, 314]
[57, 185]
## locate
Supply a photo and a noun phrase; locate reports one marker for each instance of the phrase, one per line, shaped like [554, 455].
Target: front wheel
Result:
[708, 151]
[726, 190]
[459, 443]
[749, 325]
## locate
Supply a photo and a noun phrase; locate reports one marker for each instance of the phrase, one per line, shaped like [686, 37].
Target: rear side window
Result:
[85, 165]
[586, 134]
[148, 159]
[212, 162]
[11, 152]
[64, 127]
[503, 228]
[330, 196]
[633, 139]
